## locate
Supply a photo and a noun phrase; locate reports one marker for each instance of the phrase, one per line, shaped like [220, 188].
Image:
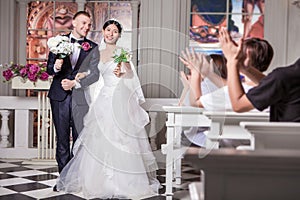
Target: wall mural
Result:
[47, 19]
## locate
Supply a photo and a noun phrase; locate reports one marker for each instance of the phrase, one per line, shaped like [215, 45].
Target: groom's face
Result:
[81, 26]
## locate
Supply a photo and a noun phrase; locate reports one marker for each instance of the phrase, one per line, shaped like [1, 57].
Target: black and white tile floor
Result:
[21, 181]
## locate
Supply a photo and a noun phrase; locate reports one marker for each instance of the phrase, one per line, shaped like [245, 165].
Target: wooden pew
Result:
[230, 174]
[274, 135]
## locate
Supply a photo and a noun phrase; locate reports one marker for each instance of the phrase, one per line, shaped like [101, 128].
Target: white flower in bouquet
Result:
[60, 45]
[121, 55]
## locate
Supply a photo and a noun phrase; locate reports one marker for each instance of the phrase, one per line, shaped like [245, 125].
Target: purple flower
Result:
[32, 72]
[44, 76]
[32, 77]
[33, 68]
[23, 72]
[7, 74]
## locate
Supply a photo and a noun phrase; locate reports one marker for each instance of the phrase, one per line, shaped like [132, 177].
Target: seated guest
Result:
[258, 54]
[215, 77]
[280, 89]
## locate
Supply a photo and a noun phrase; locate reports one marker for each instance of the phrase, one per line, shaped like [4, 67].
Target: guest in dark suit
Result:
[64, 84]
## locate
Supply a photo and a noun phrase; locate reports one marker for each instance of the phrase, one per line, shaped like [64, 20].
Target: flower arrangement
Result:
[32, 72]
[60, 46]
[121, 55]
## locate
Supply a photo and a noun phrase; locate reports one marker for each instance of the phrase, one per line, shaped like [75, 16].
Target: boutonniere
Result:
[86, 46]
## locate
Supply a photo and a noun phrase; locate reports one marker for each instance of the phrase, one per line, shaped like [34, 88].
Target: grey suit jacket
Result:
[79, 102]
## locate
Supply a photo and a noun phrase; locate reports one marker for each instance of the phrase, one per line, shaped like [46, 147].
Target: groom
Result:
[64, 84]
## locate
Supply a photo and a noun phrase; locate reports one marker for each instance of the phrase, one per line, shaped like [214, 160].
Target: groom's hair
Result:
[81, 13]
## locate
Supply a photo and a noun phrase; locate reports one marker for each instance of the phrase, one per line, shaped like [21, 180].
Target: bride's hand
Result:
[80, 76]
[117, 70]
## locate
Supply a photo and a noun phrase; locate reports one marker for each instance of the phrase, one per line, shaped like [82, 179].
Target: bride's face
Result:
[111, 34]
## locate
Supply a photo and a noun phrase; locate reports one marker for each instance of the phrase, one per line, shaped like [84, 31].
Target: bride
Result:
[112, 156]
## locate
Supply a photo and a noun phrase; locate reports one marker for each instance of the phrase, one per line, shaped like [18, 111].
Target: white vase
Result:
[19, 83]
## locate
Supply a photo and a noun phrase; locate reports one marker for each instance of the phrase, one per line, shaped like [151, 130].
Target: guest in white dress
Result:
[112, 156]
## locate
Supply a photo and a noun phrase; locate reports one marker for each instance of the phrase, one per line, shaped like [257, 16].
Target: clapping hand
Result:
[196, 62]
[231, 50]
[185, 79]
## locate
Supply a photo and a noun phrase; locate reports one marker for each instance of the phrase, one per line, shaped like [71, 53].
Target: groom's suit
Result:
[61, 100]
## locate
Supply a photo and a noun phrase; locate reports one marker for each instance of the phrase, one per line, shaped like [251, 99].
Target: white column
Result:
[4, 132]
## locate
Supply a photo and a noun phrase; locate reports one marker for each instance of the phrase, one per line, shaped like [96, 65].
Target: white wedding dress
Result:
[112, 156]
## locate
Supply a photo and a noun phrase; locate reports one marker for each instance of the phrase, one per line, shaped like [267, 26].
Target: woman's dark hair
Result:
[111, 21]
[260, 53]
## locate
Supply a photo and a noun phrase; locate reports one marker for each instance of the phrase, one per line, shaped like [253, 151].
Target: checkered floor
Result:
[19, 180]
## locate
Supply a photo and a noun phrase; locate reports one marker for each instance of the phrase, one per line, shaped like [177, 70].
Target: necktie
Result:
[73, 40]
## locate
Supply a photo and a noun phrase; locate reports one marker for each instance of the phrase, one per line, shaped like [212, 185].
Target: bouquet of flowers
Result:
[61, 46]
[32, 72]
[120, 55]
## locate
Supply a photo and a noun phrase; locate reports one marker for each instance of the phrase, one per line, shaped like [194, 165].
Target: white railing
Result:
[19, 142]
[22, 134]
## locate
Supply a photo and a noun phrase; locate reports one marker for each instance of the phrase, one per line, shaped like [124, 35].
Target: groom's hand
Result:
[68, 84]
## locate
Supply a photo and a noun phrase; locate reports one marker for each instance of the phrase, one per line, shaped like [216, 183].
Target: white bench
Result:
[274, 135]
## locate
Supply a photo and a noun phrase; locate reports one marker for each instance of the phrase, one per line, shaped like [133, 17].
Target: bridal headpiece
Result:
[115, 22]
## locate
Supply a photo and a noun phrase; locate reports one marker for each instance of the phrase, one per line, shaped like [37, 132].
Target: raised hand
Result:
[196, 62]
[185, 79]
[191, 60]
[230, 49]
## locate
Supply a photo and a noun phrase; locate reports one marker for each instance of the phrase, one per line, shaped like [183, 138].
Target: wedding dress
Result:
[112, 155]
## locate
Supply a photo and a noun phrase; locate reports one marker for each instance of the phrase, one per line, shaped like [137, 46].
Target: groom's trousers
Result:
[63, 122]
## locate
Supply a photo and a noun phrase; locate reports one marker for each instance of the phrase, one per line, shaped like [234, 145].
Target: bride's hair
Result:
[115, 22]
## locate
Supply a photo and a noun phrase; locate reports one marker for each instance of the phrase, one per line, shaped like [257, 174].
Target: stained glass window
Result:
[243, 18]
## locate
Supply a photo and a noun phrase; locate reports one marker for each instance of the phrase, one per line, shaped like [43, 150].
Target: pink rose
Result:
[86, 46]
